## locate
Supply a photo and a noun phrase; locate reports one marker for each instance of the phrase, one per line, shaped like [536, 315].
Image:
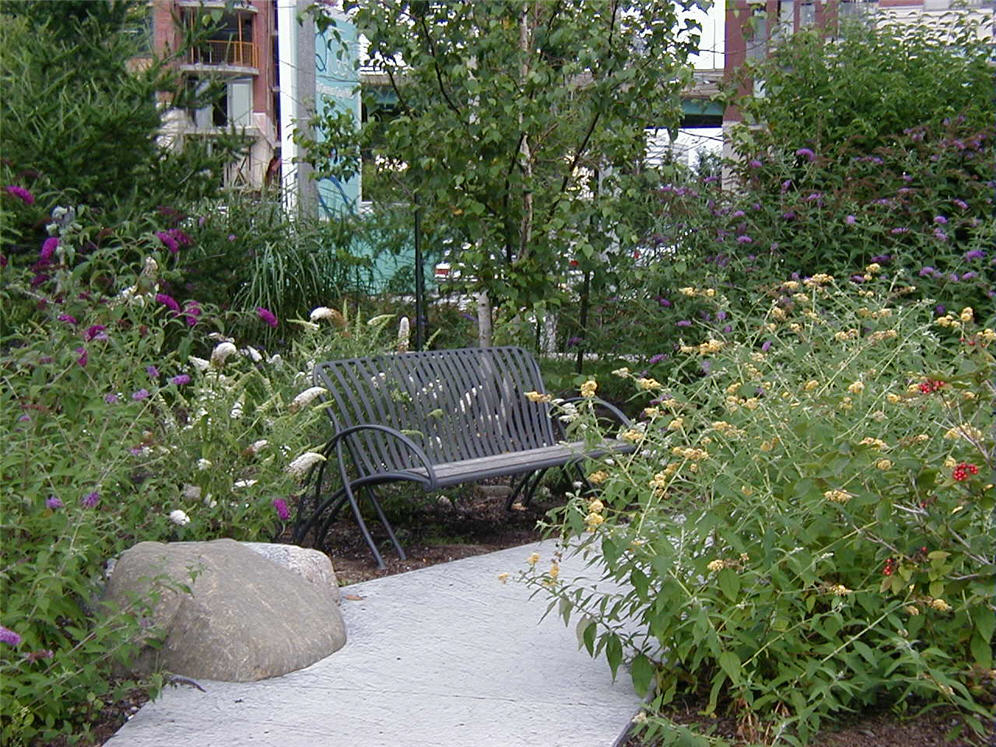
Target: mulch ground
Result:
[438, 530]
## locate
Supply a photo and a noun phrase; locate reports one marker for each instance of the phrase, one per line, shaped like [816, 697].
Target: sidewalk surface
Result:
[445, 656]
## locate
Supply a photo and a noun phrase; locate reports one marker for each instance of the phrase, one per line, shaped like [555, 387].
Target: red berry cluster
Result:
[930, 386]
[964, 470]
[890, 566]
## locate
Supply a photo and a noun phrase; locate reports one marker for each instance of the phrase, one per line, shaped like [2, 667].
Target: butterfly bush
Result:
[806, 526]
[122, 423]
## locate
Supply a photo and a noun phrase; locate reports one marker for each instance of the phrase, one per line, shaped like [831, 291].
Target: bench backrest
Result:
[455, 404]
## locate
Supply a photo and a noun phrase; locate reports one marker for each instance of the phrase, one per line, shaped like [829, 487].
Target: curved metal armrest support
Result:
[339, 438]
[613, 410]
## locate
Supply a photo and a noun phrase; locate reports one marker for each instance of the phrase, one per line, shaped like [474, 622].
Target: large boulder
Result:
[312, 565]
[224, 612]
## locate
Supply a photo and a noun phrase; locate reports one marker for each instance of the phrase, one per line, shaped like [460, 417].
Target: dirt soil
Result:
[437, 530]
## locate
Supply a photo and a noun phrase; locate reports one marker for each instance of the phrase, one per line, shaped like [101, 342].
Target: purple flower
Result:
[7, 635]
[140, 395]
[970, 275]
[940, 220]
[857, 278]
[807, 153]
[152, 371]
[67, 318]
[656, 358]
[953, 277]
[960, 203]
[850, 220]
[766, 346]
[940, 235]
[167, 239]
[939, 310]
[22, 194]
[744, 239]
[180, 380]
[664, 302]
[738, 214]
[710, 179]
[33, 656]
[706, 367]
[232, 237]
[111, 398]
[191, 310]
[927, 270]
[786, 185]
[48, 249]
[95, 332]
[788, 215]
[53, 502]
[280, 506]
[83, 358]
[90, 500]
[755, 163]
[720, 316]
[814, 197]
[572, 341]
[727, 329]
[168, 301]
[882, 258]
[683, 323]
[897, 231]
[267, 316]
[974, 254]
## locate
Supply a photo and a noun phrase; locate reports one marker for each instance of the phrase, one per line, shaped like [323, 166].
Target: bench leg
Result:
[386, 523]
[526, 488]
[363, 525]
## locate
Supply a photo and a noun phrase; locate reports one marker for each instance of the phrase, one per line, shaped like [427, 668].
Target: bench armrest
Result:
[338, 439]
[618, 414]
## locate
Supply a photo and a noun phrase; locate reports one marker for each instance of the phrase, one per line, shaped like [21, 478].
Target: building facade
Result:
[235, 48]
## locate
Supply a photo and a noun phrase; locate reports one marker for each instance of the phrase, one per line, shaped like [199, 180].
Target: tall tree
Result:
[519, 125]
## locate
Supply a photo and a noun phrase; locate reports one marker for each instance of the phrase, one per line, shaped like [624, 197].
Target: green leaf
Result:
[643, 671]
[613, 652]
[729, 583]
[729, 662]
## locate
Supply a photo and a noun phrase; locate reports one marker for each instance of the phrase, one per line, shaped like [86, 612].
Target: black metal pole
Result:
[419, 280]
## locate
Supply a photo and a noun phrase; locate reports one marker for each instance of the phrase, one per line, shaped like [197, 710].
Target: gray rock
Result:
[223, 612]
[312, 565]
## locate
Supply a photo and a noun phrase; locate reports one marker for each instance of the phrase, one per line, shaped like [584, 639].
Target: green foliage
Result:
[81, 116]
[805, 529]
[517, 127]
[862, 88]
[117, 431]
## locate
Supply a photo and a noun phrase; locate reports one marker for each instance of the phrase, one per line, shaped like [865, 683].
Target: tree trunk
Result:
[484, 327]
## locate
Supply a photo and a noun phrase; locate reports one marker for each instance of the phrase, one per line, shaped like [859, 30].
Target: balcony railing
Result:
[223, 52]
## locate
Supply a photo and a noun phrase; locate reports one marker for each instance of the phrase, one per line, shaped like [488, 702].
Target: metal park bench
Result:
[436, 418]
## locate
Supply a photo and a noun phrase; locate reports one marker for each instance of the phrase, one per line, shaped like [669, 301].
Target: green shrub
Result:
[806, 528]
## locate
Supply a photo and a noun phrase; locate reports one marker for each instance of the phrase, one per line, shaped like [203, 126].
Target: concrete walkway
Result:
[444, 656]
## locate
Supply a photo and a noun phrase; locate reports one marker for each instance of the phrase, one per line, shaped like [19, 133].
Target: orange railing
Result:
[223, 52]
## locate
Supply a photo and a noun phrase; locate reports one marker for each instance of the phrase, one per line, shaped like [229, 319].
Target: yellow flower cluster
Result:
[838, 496]
[883, 464]
[648, 384]
[716, 565]
[940, 605]
[726, 429]
[911, 610]
[893, 399]
[503, 577]
[987, 335]
[533, 559]
[632, 435]
[593, 521]
[676, 424]
[652, 412]
[966, 431]
[596, 507]
[845, 335]
[598, 477]
[967, 314]
[856, 387]
[770, 444]
[790, 285]
[538, 397]
[554, 572]
[706, 348]
[817, 280]
[692, 455]
[622, 372]
[883, 334]
[839, 590]
[873, 268]
[692, 292]
[810, 385]
[876, 443]
[588, 388]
